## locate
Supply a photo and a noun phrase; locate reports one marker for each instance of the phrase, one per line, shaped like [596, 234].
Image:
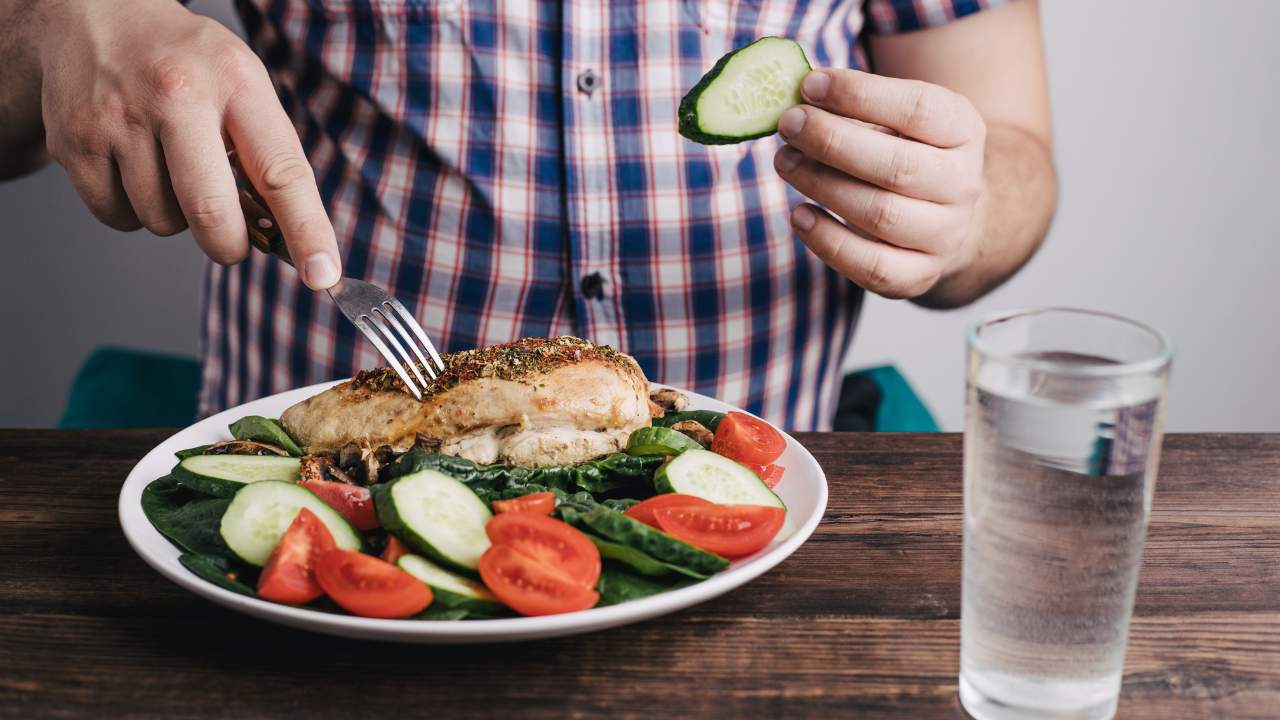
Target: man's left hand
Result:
[901, 161]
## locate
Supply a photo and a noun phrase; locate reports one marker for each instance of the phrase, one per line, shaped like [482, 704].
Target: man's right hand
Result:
[141, 100]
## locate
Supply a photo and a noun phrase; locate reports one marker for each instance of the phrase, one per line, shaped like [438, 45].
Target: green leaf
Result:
[618, 586]
[264, 430]
[190, 520]
[220, 571]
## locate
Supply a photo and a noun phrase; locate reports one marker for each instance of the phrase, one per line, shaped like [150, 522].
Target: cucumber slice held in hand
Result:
[260, 513]
[224, 475]
[742, 97]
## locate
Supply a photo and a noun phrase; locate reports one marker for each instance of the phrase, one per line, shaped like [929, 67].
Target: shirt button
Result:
[593, 286]
[588, 81]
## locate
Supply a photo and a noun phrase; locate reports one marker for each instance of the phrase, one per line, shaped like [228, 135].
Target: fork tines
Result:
[382, 327]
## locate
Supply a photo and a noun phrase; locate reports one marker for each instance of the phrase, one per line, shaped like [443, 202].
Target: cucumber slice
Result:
[710, 419]
[628, 531]
[638, 561]
[264, 430]
[742, 97]
[260, 513]
[435, 515]
[716, 478]
[450, 590]
[659, 441]
[224, 475]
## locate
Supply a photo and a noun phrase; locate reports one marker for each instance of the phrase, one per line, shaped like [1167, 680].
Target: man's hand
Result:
[901, 161]
[141, 100]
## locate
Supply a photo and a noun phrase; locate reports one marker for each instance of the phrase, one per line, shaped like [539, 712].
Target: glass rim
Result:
[1156, 362]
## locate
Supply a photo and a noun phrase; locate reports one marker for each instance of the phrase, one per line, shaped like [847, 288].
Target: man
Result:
[514, 169]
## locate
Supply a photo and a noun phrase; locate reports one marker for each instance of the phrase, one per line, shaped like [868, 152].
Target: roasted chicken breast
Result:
[534, 402]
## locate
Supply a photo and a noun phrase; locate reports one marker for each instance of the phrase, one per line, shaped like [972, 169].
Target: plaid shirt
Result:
[513, 169]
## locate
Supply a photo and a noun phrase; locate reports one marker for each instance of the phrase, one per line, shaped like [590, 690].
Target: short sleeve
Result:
[890, 17]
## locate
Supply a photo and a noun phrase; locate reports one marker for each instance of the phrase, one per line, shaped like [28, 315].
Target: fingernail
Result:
[802, 218]
[791, 122]
[816, 85]
[786, 159]
[320, 272]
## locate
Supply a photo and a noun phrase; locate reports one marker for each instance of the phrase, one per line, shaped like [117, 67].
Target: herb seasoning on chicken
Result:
[534, 402]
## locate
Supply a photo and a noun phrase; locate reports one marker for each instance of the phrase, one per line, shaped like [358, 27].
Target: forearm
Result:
[21, 130]
[1011, 219]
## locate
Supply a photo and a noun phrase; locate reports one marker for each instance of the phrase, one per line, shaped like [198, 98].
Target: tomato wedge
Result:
[541, 503]
[366, 586]
[557, 545]
[643, 511]
[290, 576]
[728, 530]
[394, 549]
[531, 587]
[769, 474]
[747, 439]
[353, 502]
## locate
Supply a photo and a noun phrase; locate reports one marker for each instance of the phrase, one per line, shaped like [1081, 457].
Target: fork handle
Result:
[264, 231]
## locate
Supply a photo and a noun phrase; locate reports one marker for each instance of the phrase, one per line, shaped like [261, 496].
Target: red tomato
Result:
[643, 511]
[352, 502]
[290, 576]
[728, 530]
[541, 503]
[531, 587]
[747, 439]
[369, 587]
[769, 474]
[557, 545]
[394, 549]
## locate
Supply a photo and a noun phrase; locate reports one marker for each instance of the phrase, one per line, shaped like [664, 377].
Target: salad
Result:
[429, 536]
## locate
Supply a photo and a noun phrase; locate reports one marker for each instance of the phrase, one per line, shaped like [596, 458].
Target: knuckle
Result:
[876, 275]
[904, 166]
[924, 107]
[169, 78]
[239, 66]
[886, 214]
[284, 171]
[210, 213]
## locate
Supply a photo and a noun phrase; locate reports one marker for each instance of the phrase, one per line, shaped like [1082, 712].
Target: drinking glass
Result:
[1063, 420]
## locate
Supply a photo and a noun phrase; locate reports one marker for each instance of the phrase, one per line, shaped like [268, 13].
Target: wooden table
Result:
[862, 620]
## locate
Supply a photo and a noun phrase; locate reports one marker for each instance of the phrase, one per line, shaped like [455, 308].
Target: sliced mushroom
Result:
[428, 443]
[669, 400]
[695, 431]
[243, 447]
[312, 467]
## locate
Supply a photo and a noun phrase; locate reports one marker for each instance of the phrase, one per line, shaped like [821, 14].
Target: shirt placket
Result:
[587, 138]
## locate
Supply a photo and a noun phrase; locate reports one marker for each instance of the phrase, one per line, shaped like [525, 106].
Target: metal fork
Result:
[379, 316]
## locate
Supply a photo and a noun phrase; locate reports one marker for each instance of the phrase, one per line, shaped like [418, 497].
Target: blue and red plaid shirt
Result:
[513, 168]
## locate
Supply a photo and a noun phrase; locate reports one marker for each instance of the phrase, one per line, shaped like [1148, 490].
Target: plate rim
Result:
[138, 534]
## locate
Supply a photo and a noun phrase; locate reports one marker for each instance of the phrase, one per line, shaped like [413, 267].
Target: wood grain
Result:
[862, 620]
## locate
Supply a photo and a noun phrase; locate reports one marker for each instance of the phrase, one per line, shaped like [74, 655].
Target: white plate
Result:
[803, 489]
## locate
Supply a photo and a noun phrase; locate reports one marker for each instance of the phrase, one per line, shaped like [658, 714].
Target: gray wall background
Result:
[1169, 160]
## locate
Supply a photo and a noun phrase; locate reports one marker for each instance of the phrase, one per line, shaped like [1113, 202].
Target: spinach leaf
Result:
[190, 452]
[598, 476]
[618, 586]
[709, 419]
[220, 571]
[190, 520]
[264, 430]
